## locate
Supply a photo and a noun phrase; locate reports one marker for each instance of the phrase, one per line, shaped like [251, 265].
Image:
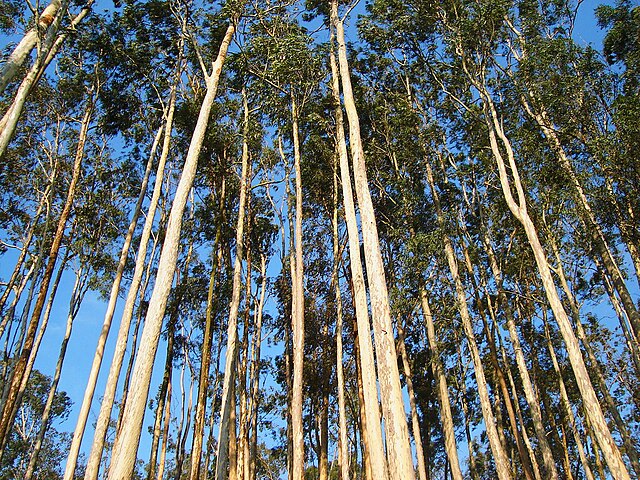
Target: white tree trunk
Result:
[396, 430]
[231, 355]
[373, 430]
[126, 442]
[109, 394]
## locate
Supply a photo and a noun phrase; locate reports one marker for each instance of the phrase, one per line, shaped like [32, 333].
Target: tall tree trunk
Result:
[255, 370]
[165, 431]
[446, 417]
[600, 380]
[231, 356]
[108, 397]
[205, 365]
[83, 415]
[525, 460]
[415, 422]
[21, 365]
[297, 312]
[126, 442]
[343, 441]
[397, 433]
[566, 405]
[527, 385]
[372, 431]
[162, 399]
[519, 210]
[503, 468]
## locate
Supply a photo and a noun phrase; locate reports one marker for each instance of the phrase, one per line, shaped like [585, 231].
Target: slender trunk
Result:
[462, 385]
[20, 368]
[396, 431]
[591, 224]
[374, 456]
[519, 210]
[165, 431]
[203, 380]
[162, 399]
[627, 439]
[297, 312]
[525, 460]
[45, 200]
[126, 442]
[185, 422]
[529, 391]
[243, 443]
[255, 371]
[503, 468]
[415, 423]
[102, 424]
[343, 441]
[227, 407]
[446, 417]
[83, 415]
[79, 289]
[566, 405]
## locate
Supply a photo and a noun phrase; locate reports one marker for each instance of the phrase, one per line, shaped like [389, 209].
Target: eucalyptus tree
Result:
[289, 75]
[125, 447]
[124, 74]
[397, 435]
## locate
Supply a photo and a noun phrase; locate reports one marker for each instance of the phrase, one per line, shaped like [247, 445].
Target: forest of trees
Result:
[330, 240]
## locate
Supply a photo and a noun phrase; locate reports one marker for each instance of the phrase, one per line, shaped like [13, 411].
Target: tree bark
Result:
[372, 432]
[519, 211]
[397, 433]
[446, 417]
[126, 442]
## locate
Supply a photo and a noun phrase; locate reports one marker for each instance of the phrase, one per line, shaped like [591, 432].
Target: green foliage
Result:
[23, 435]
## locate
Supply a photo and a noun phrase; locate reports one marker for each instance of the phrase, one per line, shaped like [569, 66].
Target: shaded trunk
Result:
[343, 442]
[20, 369]
[227, 407]
[160, 409]
[446, 417]
[503, 468]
